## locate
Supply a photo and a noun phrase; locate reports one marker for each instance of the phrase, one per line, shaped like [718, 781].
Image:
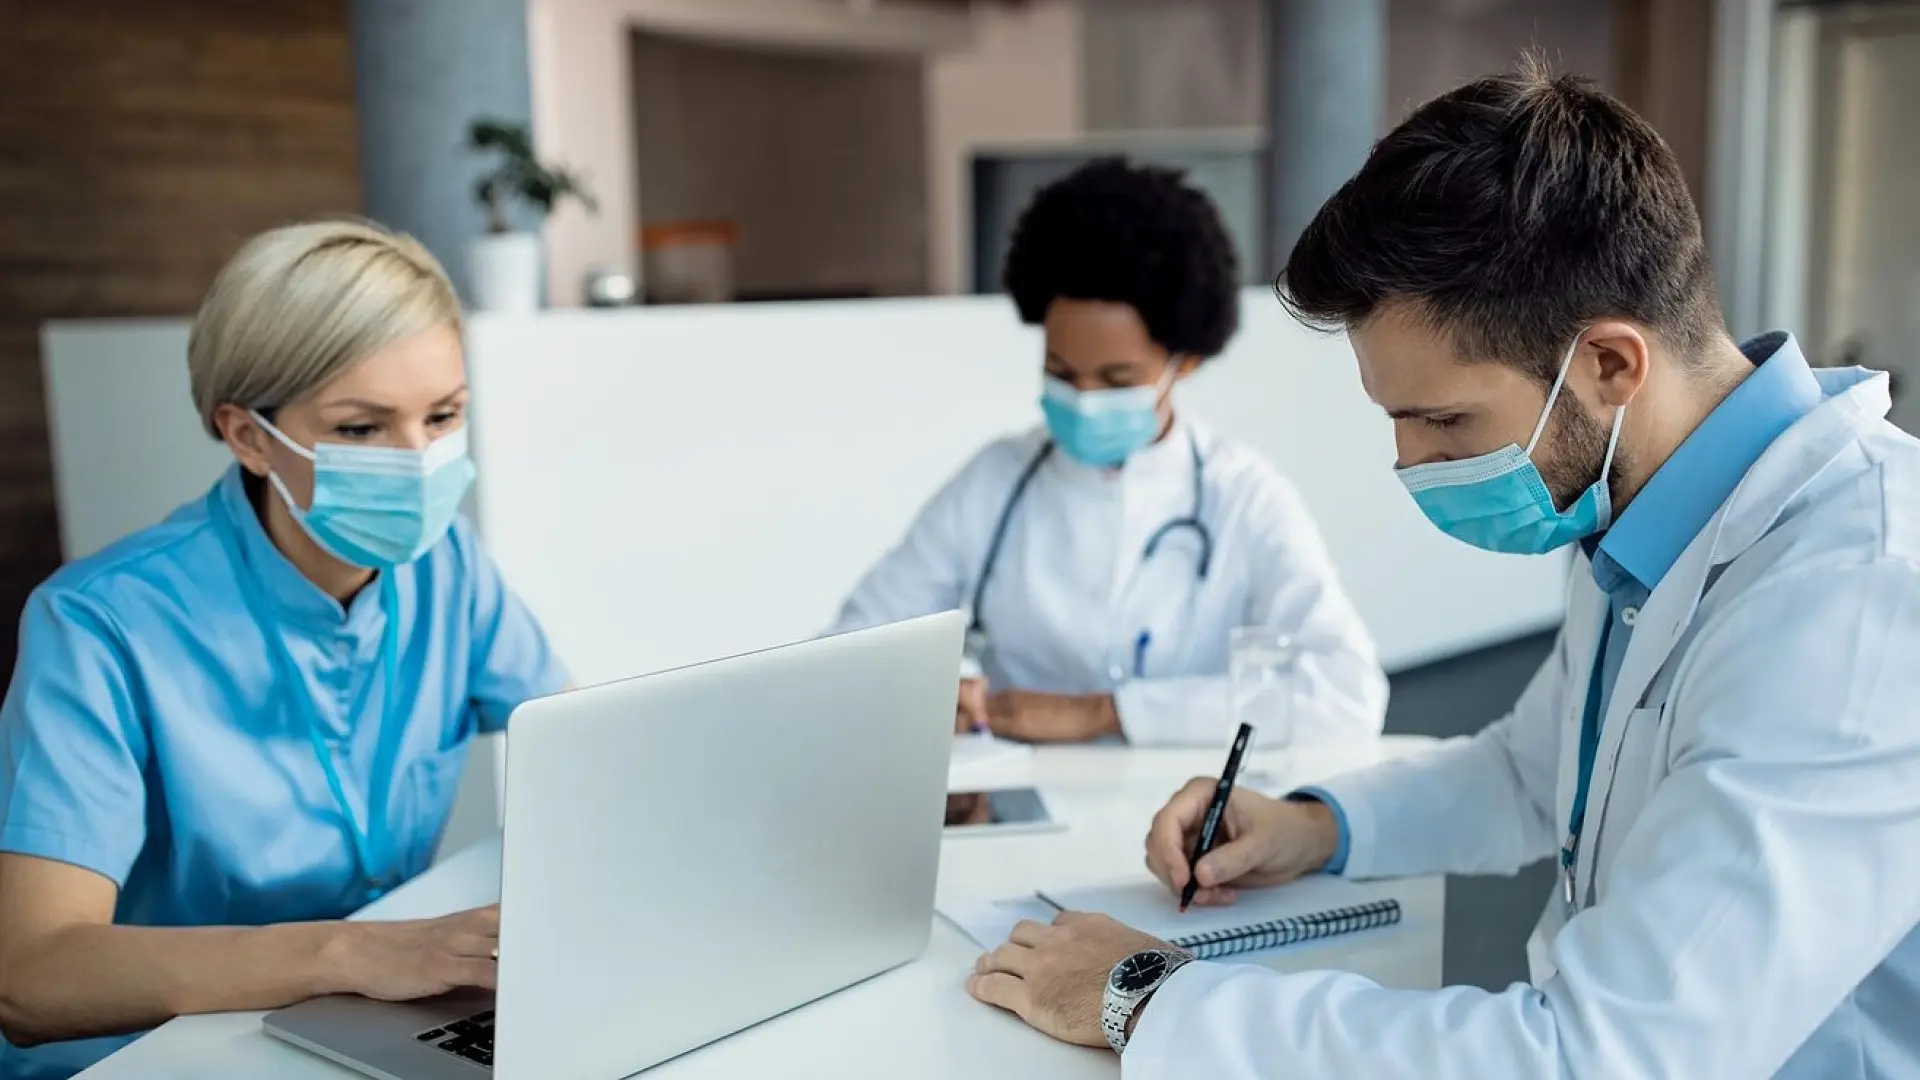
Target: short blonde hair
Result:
[299, 305]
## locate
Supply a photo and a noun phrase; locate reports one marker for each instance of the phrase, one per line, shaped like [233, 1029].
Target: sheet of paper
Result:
[979, 761]
[989, 923]
[1147, 905]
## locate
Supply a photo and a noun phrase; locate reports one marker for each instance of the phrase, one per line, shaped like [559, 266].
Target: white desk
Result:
[917, 1020]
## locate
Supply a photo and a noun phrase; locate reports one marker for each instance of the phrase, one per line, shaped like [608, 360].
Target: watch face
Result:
[1139, 972]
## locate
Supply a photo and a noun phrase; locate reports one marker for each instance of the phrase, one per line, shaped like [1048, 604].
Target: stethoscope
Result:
[977, 641]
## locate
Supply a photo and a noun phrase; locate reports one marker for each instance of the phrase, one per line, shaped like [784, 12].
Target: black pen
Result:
[1210, 828]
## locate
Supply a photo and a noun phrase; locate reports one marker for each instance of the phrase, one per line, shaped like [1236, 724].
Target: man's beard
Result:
[1576, 446]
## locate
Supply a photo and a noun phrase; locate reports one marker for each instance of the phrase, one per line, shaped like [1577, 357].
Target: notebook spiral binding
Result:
[1291, 931]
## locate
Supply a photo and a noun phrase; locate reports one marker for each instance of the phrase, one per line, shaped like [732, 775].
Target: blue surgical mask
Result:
[379, 507]
[1500, 502]
[1102, 428]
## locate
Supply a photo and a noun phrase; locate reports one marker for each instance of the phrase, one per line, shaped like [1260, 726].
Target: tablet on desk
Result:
[1009, 810]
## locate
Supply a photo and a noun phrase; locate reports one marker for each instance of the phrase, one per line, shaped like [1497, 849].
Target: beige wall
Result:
[1019, 81]
[1664, 69]
[1046, 71]
[819, 158]
[1152, 65]
[1155, 66]
[1435, 45]
[583, 101]
[583, 119]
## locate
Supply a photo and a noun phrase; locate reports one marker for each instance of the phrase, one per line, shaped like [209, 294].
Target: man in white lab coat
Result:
[1722, 751]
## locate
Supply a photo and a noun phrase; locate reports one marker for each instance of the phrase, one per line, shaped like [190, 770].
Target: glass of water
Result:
[1262, 677]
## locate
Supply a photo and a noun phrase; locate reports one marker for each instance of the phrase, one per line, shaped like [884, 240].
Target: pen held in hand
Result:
[1217, 809]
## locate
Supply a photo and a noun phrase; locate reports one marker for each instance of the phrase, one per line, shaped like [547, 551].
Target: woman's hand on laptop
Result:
[404, 961]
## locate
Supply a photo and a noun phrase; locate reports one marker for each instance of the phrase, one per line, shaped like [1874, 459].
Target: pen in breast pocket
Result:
[1140, 653]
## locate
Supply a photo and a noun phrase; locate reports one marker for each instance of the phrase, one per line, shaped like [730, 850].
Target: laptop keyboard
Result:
[471, 1038]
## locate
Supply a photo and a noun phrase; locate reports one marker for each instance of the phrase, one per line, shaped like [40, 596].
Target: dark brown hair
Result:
[1510, 213]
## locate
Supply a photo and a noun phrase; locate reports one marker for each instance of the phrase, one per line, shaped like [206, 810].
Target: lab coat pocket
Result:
[426, 792]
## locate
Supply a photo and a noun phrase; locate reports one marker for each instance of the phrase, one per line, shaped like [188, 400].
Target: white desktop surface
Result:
[916, 1020]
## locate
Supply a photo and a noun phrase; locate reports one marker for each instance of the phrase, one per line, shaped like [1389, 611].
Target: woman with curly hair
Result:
[1106, 557]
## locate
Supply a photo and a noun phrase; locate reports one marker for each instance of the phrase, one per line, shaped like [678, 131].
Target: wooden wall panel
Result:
[140, 142]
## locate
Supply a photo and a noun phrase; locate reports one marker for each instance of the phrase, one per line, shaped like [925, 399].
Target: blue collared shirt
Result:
[1630, 559]
[147, 738]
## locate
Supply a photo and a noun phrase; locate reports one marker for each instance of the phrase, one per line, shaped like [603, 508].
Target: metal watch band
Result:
[1116, 1008]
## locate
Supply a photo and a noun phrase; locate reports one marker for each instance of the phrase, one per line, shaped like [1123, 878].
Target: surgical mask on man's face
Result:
[379, 507]
[1500, 502]
[1103, 428]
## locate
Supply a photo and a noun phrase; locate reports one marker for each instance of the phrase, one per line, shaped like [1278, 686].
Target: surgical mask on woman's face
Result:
[1103, 428]
[1500, 502]
[379, 507]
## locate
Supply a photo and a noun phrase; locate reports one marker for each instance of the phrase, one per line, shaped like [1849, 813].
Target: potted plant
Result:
[505, 263]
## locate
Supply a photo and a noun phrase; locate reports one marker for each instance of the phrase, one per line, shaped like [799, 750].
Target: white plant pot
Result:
[505, 272]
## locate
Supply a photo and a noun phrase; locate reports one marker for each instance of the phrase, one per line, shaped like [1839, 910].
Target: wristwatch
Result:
[1131, 982]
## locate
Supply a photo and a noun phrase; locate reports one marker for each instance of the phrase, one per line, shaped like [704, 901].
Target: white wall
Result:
[668, 485]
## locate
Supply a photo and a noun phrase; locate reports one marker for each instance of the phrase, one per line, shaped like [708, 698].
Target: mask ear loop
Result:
[1164, 393]
[282, 437]
[1605, 483]
[1613, 440]
[280, 486]
[1553, 395]
[273, 474]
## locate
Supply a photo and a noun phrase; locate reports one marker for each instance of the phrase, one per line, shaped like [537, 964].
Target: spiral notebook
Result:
[1306, 910]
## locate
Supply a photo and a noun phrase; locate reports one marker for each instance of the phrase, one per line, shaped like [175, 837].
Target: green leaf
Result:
[519, 174]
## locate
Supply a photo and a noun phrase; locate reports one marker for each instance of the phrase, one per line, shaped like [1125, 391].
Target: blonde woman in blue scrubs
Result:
[231, 730]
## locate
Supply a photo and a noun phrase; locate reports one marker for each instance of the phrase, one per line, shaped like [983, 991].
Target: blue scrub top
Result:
[147, 737]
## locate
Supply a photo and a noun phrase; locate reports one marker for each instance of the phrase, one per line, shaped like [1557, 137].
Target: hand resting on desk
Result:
[970, 713]
[1028, 716]
[1054, 977]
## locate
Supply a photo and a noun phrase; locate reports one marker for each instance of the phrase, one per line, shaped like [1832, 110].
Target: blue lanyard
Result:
[1589, 750]
[369, 842]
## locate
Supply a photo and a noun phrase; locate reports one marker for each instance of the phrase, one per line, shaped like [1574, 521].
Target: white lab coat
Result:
[1749, 874]
[1070, 595]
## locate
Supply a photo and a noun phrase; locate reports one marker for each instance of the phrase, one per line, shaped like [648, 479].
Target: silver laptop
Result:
[688, 854]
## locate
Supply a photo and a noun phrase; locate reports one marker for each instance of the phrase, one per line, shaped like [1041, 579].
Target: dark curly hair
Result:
[1131, 234]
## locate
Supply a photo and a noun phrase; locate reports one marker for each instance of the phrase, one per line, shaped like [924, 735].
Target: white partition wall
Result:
[127, 445]
[668, 485]
[665, 485]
